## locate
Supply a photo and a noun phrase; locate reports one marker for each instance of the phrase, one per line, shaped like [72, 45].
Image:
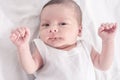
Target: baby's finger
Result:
[111, 25]
[13, 33]
[114, 27]
[13, 37]
[21, 31]
[101, 28]
[17, 33]
[107, 26]
[27, 31]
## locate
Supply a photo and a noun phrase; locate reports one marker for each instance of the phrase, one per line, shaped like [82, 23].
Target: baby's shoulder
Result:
[86, 45]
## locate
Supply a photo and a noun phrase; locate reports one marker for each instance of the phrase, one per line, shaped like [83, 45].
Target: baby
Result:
[59, 54]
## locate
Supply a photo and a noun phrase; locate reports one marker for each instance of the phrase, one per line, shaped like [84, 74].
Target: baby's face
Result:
[59, 27]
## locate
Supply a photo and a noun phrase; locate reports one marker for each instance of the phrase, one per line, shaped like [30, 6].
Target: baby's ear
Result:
[80, 31]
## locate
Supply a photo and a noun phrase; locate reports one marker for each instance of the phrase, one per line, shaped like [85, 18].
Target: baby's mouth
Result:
[55, 38]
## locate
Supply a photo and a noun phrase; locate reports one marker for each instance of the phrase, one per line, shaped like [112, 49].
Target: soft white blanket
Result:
[15, 13]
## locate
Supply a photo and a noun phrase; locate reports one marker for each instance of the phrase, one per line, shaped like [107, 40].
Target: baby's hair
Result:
[70, 3]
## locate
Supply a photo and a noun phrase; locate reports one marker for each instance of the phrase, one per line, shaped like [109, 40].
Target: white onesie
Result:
[75, 64]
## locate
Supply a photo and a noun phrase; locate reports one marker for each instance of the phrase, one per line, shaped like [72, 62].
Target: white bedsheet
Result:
[15, 13]
[9, 66]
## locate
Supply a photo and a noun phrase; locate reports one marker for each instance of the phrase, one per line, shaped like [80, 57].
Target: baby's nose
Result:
[53, 29]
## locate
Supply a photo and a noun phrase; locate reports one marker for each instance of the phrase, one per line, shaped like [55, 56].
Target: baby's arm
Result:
[104, 60]
[30, 62]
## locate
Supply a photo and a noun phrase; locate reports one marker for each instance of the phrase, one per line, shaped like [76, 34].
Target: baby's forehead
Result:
[58, 9]
[61, 8]
[70, 5]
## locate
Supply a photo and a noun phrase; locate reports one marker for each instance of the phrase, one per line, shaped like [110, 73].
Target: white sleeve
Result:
[41, 48]
[87, 46]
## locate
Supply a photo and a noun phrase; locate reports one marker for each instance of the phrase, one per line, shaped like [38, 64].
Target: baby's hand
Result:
[20, 36]
[107, 31]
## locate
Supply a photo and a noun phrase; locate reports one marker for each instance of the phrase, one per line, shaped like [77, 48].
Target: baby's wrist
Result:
[108, 41]
[23, 46]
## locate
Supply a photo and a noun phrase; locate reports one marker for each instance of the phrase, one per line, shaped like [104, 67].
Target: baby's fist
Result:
[20, 36]
[107, 31]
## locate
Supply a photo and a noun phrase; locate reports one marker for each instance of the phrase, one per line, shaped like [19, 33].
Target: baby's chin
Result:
[55, 43]
[62, 47]
[57, 46]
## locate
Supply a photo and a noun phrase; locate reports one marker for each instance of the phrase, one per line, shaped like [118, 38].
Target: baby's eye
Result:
[63, 23]
[45, 25]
